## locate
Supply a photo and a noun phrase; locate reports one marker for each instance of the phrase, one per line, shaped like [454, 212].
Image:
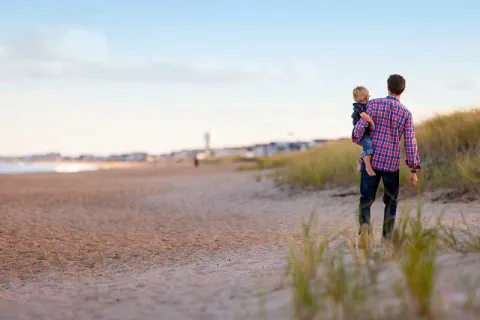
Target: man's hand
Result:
[413, 179]
[372, 125]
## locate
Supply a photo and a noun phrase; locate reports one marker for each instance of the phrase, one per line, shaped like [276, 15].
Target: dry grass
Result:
[449, 148]
[332, 279]
[319, 168]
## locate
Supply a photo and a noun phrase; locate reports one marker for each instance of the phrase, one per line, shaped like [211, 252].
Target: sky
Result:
[105, 76]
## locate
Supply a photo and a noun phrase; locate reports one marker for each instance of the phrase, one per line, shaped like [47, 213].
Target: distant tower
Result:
[208, 151]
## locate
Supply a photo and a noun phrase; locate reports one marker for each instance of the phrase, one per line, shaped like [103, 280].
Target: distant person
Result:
[195, 160]
[392, 121]
[361, 97]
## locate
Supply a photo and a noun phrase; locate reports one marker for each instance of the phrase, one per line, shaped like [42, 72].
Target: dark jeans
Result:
[368, 191]
[366, 143]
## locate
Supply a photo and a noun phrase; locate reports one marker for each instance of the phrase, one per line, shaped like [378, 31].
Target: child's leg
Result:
[367, 152]
[368, 165]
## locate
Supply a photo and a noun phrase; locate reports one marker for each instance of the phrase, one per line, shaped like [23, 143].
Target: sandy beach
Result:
[167, 242]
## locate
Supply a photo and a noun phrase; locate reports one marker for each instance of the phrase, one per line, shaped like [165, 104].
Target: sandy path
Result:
[225, 237]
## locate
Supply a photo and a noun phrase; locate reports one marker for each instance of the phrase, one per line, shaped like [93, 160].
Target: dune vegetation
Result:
[332, 279]
[449, 148]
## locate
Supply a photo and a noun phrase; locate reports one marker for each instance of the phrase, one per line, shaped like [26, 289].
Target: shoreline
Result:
[99, 164]
[56, 167]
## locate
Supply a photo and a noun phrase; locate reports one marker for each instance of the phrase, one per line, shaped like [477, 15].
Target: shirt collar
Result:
[393, 98]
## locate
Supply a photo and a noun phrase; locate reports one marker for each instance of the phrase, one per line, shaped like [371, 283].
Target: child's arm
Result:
[367, 118]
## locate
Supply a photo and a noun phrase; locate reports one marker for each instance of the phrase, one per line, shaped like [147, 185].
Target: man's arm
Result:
[411, 149]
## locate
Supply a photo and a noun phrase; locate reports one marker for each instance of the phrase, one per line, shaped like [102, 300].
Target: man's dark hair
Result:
[396, 84]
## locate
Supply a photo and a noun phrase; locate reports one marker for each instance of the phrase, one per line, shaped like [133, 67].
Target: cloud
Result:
[82, 54]
[58, 44]
[148, 71]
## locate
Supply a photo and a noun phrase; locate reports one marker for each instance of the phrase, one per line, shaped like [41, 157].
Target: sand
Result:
[167, 242]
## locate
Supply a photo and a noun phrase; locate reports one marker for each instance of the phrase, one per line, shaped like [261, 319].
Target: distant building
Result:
[137, 157]
[317, 142]
[250, 151]
[44, 157]
[130, 157]
[228, 152]
[86, 157]
[182, 155]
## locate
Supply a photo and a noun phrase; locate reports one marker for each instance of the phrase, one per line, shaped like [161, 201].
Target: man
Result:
[392, 120]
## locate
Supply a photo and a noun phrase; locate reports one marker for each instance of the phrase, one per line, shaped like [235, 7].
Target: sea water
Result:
[25, 167]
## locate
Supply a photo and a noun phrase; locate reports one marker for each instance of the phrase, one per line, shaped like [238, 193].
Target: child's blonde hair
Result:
[361, 94]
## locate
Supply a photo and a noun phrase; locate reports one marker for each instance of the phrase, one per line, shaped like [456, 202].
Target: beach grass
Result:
[333, 279]
[449, 148]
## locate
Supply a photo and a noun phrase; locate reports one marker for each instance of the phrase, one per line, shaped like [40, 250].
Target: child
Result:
[361, 96]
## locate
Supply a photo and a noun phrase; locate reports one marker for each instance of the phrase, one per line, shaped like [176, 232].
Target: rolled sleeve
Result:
[359, 131]
[411, 148]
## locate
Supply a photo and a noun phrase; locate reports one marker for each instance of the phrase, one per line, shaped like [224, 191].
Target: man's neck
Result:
[394, 95]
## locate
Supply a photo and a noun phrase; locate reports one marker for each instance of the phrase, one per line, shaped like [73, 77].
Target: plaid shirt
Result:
[392, 120]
